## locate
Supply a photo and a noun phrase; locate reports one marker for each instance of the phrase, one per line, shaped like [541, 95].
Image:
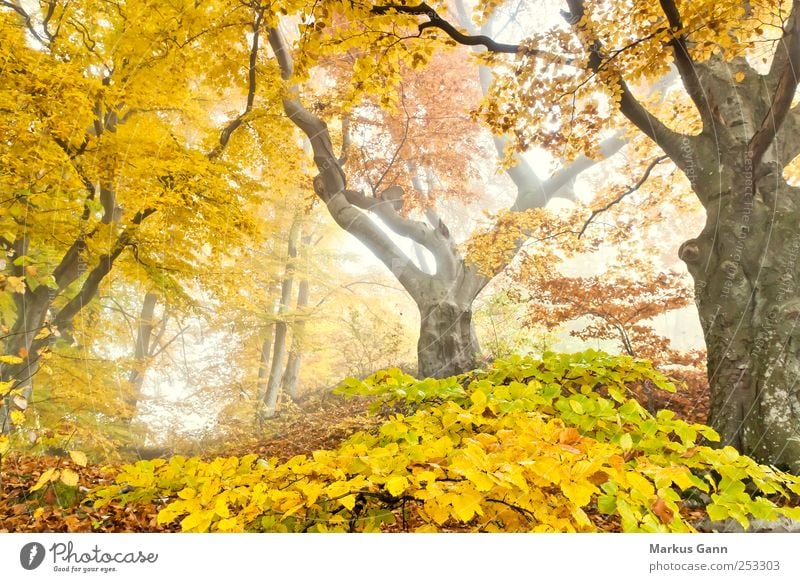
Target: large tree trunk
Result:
[444, 292]
[746, 280]
[447, 343]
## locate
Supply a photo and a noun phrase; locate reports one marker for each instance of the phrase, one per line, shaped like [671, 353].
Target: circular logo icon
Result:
[31, 555]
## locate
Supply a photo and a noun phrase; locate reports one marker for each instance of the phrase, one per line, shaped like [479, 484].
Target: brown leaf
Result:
[50, 497]
[598, 478]
[661, 510]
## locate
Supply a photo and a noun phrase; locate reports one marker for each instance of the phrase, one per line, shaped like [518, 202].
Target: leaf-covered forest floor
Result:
[322, 421]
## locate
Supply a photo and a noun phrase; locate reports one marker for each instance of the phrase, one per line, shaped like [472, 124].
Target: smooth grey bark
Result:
[269, 403]
[289, 385]
[141, 352]
[292, 373]
[745, 269]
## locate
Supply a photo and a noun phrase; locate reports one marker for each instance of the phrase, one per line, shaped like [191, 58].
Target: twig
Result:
[630, 190]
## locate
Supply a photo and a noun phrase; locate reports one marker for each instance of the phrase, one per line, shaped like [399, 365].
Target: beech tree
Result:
[447, 344]
[105, 169]
[731, 129]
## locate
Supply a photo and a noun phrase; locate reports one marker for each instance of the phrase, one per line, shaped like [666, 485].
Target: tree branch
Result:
[90, 286]
[630, 107]
[555, 186]
[227, 131]
[627, 192]
[330, 184]
[436, 21]
[787, 74]
[684, 63]
[28, 22]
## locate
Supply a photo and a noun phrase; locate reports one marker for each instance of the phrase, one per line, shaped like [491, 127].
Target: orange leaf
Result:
[661, 510]
[569, 436]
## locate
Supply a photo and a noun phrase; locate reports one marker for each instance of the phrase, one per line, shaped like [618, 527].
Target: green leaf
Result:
[716, 512]
[607, 504]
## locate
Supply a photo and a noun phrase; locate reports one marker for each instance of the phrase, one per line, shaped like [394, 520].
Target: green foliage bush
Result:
[547, 444]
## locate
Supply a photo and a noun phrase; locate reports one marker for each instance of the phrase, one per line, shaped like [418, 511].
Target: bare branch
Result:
[627, 192]
[436, 21]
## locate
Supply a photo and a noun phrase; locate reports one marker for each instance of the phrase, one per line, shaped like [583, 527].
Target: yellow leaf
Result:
[396, 485]
[467, 504]
[15, 284]
[9, 359]
[228, 524]
[38, 512]
[17, 417]
[197, 521]
[579, 493]
[481, 481]
[436, 511]
[349, 501]
[640, 484]
[311, 491]
[45, 478]
[69, 478]
[6, 387]
[4, 445]
[739, 77]
[221, 507]
[187, 493]
[478, 402]
[79, 458]
[626, 442]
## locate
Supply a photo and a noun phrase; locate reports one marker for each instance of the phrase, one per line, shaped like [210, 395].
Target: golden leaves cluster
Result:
[528, 445]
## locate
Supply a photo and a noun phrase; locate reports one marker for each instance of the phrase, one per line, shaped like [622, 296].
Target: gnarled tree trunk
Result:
[746, 275]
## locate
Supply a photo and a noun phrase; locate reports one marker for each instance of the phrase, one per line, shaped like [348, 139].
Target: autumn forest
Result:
[364, 266]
